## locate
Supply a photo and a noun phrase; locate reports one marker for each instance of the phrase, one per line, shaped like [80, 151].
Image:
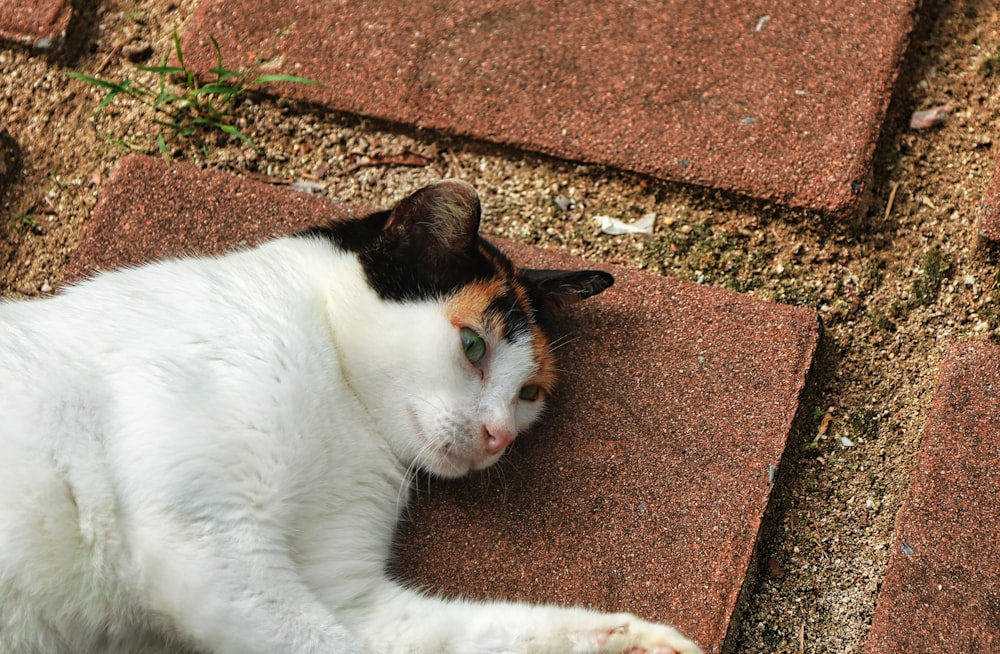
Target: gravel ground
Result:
[895, 288]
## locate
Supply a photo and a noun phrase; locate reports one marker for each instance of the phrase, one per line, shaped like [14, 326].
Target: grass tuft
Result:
[189, 108]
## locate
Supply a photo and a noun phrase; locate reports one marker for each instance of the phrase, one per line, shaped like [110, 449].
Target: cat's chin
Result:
[441, 459]
[449, 465]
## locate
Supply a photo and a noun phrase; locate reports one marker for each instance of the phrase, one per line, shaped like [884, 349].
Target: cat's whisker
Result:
[406, 486]
[498, 470]
[563, 341]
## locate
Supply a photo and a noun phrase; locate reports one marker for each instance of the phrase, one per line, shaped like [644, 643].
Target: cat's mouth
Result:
[442, 458]
[461, 465]
[451, 463]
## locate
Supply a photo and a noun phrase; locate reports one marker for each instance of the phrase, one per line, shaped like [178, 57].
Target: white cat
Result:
[210, 454]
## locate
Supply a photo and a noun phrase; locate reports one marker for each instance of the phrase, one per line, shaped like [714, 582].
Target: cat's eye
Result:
[472, 344]
[529, 393]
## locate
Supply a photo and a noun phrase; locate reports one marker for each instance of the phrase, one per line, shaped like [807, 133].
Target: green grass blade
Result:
[107, 100]
[232, 131]
[223, 75]
[268, 79]
[214, 88]
[173, 126]
[177, 49]
[170, 99]
[163, 70]
[191, 82]
[218, 57]
[101, 83]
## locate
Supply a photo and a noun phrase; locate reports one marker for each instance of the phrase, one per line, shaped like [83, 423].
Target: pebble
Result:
[564, 203]
[138, 53]
[930, 117]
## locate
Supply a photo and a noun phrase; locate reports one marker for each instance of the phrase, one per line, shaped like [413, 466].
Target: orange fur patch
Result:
[469, 307]
[545, 374]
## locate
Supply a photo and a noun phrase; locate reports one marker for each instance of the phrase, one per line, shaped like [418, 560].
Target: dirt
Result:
[894, 288]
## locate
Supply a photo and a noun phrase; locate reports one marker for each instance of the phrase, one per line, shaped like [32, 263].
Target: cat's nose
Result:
[497, 438]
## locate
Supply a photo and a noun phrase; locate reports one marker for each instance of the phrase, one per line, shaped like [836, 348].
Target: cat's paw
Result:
[631, 635]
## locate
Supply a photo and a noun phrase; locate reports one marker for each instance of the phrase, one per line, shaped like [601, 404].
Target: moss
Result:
[727, 259]
[991, 65]
[871, 276]
[864, 424]
[928, 286]
[882, 322]
[990, 311]
[798, 294]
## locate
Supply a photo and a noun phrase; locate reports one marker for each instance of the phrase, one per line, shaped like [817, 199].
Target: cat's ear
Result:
[555, 289]
[437, 223]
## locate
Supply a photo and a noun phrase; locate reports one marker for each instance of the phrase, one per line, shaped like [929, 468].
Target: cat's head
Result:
[458, 362]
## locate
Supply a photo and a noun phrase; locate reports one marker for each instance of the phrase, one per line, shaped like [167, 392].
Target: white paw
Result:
[630, 635]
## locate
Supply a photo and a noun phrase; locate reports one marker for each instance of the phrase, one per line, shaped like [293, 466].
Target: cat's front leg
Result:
[628, 633]
[397, 620]
[234, 591]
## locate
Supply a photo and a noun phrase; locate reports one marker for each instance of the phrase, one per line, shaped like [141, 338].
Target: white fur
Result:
[210, 455]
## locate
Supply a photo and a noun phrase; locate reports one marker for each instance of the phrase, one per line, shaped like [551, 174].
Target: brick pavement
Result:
[655, 466]
[645, 488]
[941, 592]
[779, 102]
[39, 23]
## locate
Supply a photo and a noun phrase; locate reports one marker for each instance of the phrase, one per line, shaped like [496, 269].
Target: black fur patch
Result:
[399, 274]
[516, 319]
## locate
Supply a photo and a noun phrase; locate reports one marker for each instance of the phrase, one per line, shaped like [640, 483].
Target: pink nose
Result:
[496, 439]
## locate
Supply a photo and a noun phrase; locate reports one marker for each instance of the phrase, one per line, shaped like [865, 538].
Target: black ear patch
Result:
[555, 289]
[428, 245]
[437, 225]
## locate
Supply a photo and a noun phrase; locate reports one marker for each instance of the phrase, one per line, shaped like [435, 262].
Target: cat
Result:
[211, 454]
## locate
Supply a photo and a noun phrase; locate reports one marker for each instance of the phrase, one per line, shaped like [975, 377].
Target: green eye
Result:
[472, 344]
[529, 393]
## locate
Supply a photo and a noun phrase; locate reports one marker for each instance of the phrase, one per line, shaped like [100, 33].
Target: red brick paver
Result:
[989, 226]
[39, 23]
[941, 592]
[644, 488]
[780, 101]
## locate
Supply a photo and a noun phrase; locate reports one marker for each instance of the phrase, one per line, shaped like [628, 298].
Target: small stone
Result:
[137, 53]
[930, 117]
[564, 203]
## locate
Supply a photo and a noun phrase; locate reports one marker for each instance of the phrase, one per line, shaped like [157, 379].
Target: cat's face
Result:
[495, 371]
[456, 363]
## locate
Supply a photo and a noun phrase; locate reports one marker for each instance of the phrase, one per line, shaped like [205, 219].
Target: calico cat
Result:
[211, 454]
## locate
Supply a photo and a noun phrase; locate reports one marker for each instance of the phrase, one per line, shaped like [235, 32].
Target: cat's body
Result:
[211, 454]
